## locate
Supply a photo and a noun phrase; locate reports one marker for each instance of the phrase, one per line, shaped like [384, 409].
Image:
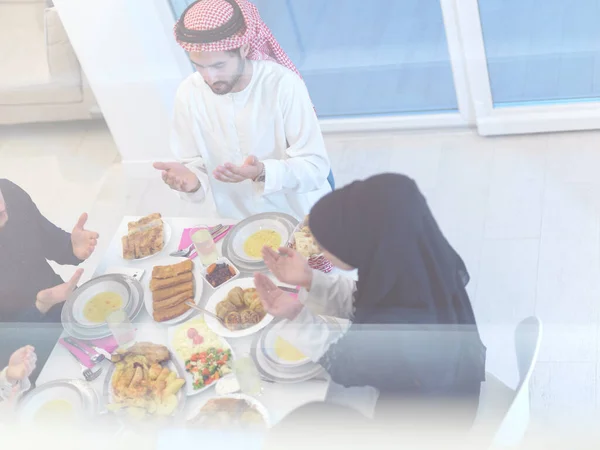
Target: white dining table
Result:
[279, 399]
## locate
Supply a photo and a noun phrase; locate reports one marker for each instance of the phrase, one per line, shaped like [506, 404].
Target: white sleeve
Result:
[311, 334]
[330, 295]
[9, 391]
[307, 165]
[185, 145]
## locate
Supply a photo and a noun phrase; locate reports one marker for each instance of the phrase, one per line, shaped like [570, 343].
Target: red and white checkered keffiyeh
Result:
[210, 14]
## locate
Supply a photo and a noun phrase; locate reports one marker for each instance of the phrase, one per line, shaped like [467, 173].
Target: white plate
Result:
[198, 289]
[189, 385]
[269, 347]
[91, 333]
[221, 294]
[36, 400]
[251, 400]
[167, 233]
[291, 242]
[106, 286]
[287, 374]
[263, 224]
[171, 365]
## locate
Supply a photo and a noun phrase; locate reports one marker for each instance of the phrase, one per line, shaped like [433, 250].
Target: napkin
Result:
[320, 263]
[108, 344]
[186, 238]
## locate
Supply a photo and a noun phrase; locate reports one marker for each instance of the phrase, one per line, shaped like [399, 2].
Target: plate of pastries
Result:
[240, 309]
[145, 237]
[173, 283]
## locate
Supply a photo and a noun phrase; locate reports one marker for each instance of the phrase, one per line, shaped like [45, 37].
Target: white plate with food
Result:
[95, 300]
[282, 374]
[205, 356]
[303, 241]
[172, 283]
[132, 309]
[144, 383]
[279, 351]
[145, 238]
[238, 305]
[251, 238]
[58, 402]
[230, 412]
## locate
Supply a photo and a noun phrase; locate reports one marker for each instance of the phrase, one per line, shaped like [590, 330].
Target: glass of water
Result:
[121, 327]
[247, 375]
[205, 246]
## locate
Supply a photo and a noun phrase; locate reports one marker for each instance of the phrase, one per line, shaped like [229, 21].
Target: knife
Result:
[95, 358]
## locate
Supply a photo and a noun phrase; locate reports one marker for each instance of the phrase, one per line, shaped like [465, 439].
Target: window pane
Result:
[542, 50]
[364, 58]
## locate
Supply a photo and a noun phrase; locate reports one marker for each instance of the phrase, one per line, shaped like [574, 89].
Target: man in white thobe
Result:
[244, 126]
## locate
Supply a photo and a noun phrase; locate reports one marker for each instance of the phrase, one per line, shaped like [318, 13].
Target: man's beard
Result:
[228, 86]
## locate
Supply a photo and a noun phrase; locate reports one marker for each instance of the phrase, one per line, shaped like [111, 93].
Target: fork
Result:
[214, 231]
[202, 310]
[88, 374]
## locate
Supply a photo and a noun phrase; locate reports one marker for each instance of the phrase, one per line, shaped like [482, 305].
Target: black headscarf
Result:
[384, 228]
[411, 306]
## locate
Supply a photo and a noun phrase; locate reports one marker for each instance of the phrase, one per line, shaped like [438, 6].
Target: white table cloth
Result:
[279, 399]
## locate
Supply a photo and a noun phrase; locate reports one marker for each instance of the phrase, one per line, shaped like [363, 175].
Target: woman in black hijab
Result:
[413, 333]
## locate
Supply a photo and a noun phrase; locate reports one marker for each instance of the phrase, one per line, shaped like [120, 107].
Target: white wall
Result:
[128, 52]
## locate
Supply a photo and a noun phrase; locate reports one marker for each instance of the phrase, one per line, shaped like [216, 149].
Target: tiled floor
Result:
[523, 211]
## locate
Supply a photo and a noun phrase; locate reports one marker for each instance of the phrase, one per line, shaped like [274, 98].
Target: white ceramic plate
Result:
[87, 294]
[243, 234]
[251, 400]
[291, 242]
[286, 374]
[90, 333]
[167, 233]
[189, 385]
[221, 294]
[269, 347]
[37, 400]
[198, 289]
[171, 365]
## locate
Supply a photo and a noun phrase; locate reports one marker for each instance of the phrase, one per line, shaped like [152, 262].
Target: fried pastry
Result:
[250, 295]
[128, 247]
[170, 313]
[233, 320]
[172, 301]
[144, 238]
[249, 318]
[144, 222]
[164, 294]
[236, 297]
[161, 272]
[223, 308]
[153, 353]
[156, 285]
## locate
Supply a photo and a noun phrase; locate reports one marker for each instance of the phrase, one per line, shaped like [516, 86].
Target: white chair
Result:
[503, 414]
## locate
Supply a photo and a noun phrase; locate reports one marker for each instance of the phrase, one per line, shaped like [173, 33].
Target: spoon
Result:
[202, 310]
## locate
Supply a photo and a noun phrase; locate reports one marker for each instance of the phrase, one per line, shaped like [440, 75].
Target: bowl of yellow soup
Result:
[55, 403]
[280, 350]
[250, 240]
[98, 298]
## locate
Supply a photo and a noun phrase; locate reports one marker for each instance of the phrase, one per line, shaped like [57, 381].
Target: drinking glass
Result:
[121, 327]
[205, 246]
[247, 375]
